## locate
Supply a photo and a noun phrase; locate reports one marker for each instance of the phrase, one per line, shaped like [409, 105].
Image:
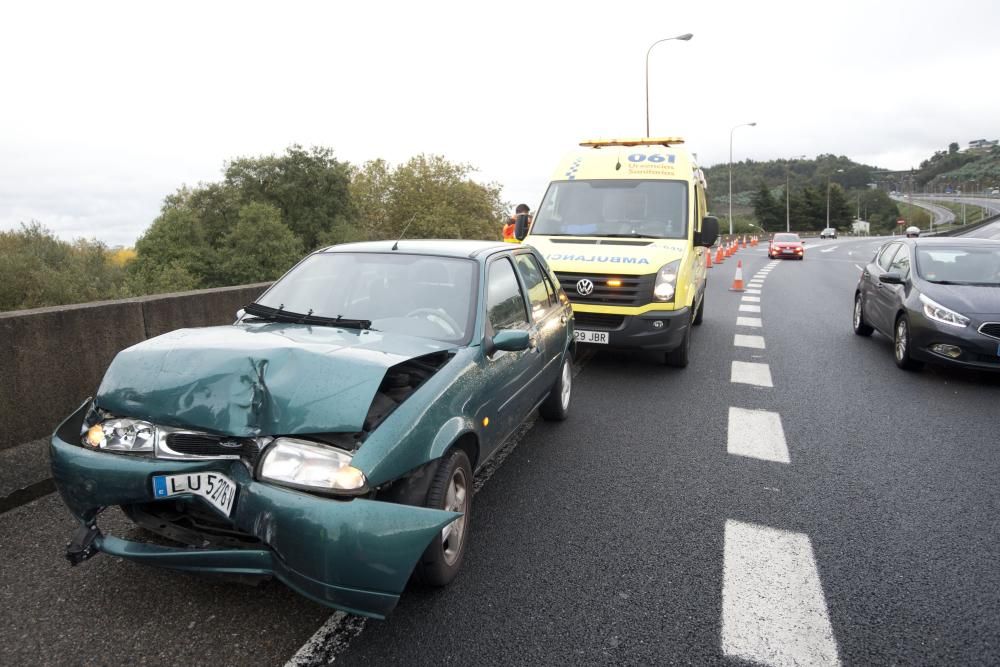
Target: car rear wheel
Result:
[860, 327]
[901, 346]
[556, 406]
[451, 490]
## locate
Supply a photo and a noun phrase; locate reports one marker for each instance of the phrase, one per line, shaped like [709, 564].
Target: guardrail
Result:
[51, 359]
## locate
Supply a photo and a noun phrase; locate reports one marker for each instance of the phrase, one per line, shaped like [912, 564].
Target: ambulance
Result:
[624, 227]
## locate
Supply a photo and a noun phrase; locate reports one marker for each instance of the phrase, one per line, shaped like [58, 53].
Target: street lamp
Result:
[735, 127]
[685, 37]
[828, 179]
[788, 209]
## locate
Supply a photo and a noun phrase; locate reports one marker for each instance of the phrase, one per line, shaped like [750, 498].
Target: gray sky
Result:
[107, 107]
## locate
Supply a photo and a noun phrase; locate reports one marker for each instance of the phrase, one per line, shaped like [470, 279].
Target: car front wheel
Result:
[860, 327]
[901, 346]
[450, 490]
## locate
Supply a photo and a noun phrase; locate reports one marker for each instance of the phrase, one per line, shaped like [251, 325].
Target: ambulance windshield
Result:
[617, 208]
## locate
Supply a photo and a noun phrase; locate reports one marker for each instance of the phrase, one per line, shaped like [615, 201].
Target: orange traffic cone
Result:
[744, 243]
[738, 278]
[719, 257]
[708, 259]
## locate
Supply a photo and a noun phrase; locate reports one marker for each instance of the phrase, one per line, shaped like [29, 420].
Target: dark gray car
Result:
[938, 299]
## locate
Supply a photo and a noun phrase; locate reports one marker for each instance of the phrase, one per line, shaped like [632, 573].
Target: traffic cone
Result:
[738, 278]
[708, 259]
[744, 243]
[719, 258]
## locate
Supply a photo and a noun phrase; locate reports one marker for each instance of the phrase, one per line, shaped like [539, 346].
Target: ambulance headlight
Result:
[666, 281]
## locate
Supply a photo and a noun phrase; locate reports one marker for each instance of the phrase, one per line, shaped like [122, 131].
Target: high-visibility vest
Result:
[508, 232]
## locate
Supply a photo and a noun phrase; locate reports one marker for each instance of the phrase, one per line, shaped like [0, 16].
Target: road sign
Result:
[901, 222]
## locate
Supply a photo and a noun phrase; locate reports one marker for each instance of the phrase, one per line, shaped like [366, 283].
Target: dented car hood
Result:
[257, 378]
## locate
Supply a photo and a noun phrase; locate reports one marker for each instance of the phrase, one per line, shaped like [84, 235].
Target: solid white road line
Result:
[773, 607]
[329, 641]
[747, 308]
[750, 290]
[757, 434]
[741, 340]
[749, 372]
[748, 322]
[750, 298]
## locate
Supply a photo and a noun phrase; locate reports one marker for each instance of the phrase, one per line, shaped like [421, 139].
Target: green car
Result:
[329, 437]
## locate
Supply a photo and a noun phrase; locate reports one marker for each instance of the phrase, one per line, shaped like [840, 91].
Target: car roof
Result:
[944, 241]
[439, 247]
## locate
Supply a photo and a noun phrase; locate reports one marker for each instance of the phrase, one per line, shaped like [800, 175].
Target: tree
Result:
[260, 246]
[767, 210]
[953, 148]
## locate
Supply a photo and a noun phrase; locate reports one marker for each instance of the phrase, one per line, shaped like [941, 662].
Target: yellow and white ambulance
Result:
[624, 227]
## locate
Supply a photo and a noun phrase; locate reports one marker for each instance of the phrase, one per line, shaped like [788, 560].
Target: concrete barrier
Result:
[51, 359]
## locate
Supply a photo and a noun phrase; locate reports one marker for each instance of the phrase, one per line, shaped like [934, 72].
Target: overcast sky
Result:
[105, 108]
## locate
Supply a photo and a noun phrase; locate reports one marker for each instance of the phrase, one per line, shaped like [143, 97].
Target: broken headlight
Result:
[121, 435]
[308, 465]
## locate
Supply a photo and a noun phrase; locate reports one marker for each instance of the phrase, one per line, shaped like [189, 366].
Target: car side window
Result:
[534, 281]
[901, 263]
[504, 301]
[885, 257]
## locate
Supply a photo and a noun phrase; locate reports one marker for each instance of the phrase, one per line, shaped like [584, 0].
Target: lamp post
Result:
[683, 38]
[829, 178]
[788, 208]
[735, 127]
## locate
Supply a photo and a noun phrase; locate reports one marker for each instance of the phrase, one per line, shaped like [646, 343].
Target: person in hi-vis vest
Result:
[517, 225]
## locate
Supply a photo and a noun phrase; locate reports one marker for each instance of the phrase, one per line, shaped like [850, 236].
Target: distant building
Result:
[982, 144]
[860, 228]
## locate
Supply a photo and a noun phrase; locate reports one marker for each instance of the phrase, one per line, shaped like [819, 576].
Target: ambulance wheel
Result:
[678, 357]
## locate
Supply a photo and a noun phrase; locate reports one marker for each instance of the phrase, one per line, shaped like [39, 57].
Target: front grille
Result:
[991, 329]
[634, 290]
[598, 321]
[205, 444]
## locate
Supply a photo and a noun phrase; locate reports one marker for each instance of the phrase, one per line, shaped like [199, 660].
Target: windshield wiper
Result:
[282, 315]
[963, 282]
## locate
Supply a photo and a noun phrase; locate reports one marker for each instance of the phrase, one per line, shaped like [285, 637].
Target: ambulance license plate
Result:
[217, 489]
[600, 337]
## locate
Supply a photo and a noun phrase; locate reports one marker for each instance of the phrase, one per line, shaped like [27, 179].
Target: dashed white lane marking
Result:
[860, 268]
[747, 308]
[757, 434]
[773, 607]
[751, 290]
[757, 284]
[750, 298]
[749, 322]
[749, 372]
[742, 340]
[829, 249]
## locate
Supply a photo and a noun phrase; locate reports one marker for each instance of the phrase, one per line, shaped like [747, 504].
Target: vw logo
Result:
[584, 287]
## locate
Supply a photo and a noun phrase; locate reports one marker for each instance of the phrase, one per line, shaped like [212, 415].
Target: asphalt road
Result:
[849, 513]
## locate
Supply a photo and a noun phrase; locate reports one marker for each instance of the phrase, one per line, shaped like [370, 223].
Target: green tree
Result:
[953, 148]
[260, 246]
[174, 247]
[310, 189]
[767, 210]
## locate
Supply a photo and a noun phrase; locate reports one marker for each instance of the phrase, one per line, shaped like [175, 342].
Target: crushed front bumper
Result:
[354, 555]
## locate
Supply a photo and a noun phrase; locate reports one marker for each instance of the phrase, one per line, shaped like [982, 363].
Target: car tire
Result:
[451, 489]
[555, 408]
[679, 356]
[861, 328]
[901, 346]
[699, 317]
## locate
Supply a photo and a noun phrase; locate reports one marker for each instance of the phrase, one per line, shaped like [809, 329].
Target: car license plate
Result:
[787, 250]
[600, 337]
[217, 489]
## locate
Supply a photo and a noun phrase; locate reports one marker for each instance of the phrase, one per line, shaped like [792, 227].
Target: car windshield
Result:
[627, 208]
[962, 265]
[786, 238]
[419, 295]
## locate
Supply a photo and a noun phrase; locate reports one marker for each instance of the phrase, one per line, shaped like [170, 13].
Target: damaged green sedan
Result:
[329, 437]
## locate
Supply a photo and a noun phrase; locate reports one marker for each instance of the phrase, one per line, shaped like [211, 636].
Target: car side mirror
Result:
[239, 314]
[521, 226]
[891, 279]
[709, 233]
[511, 340]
